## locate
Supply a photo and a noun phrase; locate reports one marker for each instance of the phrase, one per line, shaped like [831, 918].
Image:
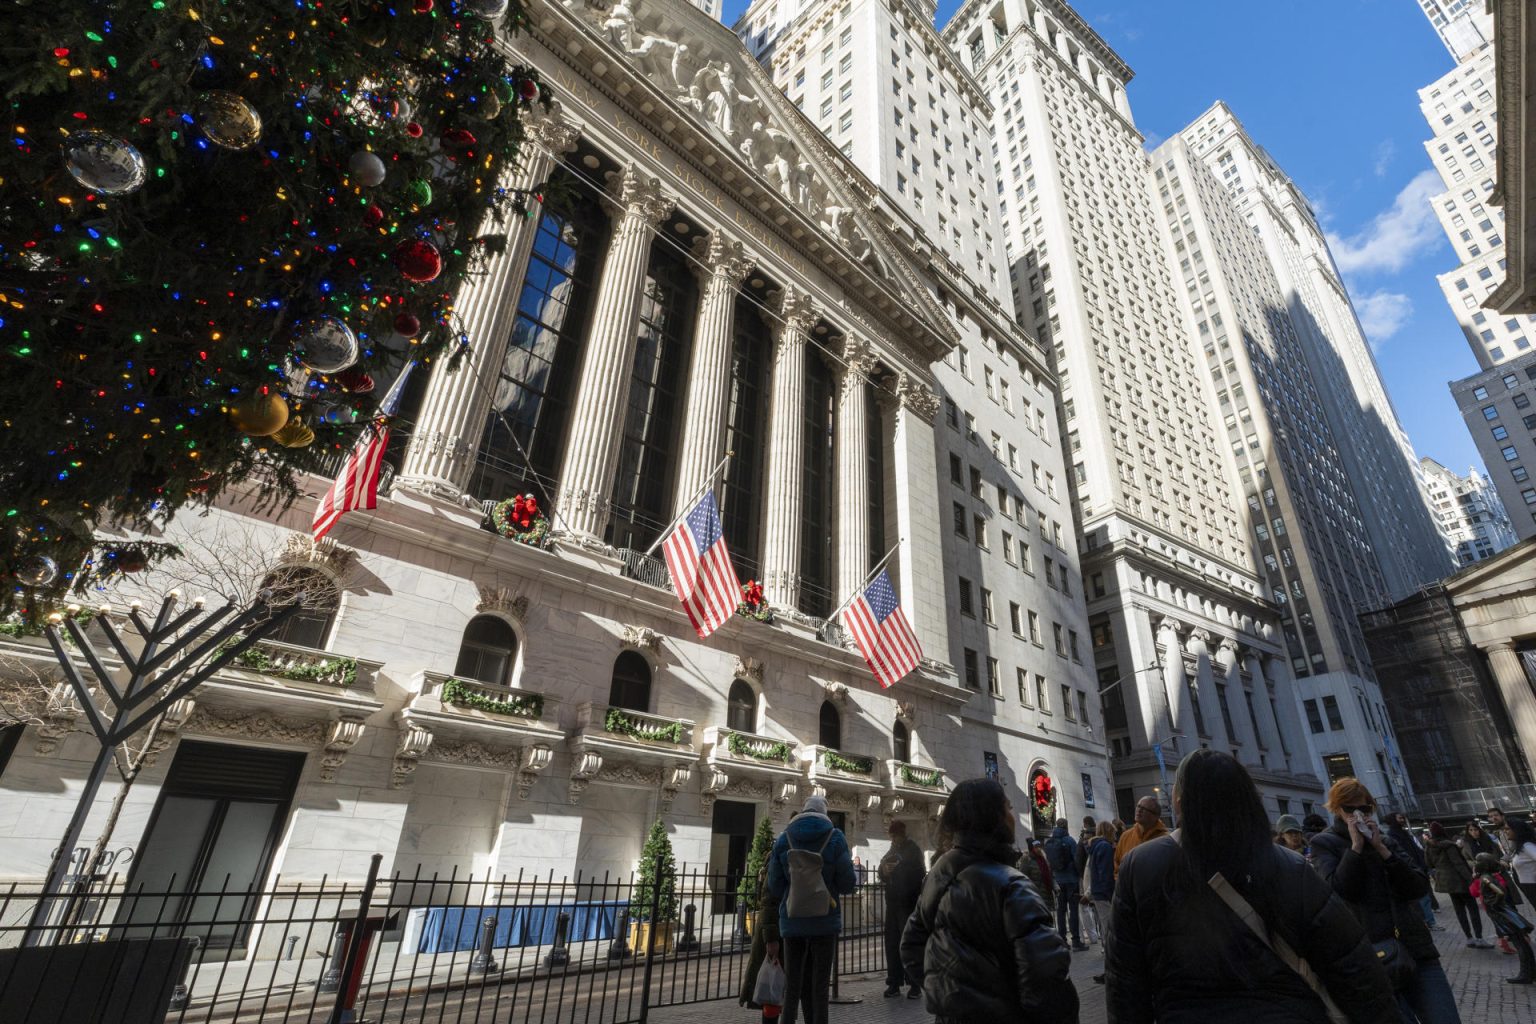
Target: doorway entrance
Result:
[730, 839]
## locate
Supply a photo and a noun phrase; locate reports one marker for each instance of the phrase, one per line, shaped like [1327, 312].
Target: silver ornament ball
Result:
[37, 571]
[102, 162]
[228, 120]
[325, 345]
[367, 168]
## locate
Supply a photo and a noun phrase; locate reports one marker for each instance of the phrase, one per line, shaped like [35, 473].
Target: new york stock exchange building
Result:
[721, 280]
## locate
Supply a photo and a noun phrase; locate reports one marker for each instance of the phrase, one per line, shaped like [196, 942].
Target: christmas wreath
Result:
[753, 604]
[1043, 792]
[520, 519]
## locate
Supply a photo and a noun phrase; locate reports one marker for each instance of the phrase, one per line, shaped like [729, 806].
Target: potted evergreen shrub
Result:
[656, 880]
[749, 889]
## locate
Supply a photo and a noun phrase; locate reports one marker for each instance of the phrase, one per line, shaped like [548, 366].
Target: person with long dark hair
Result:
[1372, 874]
[980, 942]
[1451, 870]
[1217, 922]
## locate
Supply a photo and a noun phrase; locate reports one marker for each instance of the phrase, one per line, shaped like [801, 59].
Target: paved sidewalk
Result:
[1477, 976]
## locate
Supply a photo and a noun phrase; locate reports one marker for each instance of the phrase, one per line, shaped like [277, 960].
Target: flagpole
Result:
[709, 482]
[867, 577]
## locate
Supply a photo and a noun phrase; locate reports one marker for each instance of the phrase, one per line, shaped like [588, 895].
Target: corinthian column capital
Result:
[797, 314]
[551, 132]
[916, 397]
[639, 199]
[723, 261]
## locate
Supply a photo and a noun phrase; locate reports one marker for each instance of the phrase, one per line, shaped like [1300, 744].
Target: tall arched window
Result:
[318, 597]
[741, 708]
[642, 484]
[901, 743]
[631, 686]
[830, 732]
[740, 509]
[536, 382]
[816, 489]
[487, 652]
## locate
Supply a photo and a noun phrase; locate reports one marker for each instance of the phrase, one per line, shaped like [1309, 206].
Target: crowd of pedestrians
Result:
[1307, 920]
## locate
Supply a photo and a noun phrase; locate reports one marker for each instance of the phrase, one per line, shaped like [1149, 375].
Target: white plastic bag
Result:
[771, 984]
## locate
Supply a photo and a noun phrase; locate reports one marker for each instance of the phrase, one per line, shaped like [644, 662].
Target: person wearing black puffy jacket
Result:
[1178, 953]
[980, 942]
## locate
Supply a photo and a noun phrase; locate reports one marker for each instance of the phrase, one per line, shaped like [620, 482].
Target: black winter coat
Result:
[981, 943]
[1384, 894]
[1449, 866]
[1177, 954]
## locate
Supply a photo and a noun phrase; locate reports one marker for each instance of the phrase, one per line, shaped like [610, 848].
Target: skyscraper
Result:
[881, 84]
[1464, 26]
[1185, 640]
[1469, 512]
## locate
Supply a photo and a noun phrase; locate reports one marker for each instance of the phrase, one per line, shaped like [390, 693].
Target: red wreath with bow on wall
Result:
[1043, 792]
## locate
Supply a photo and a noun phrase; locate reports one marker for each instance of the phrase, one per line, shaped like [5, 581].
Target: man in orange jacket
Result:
[1149, 825]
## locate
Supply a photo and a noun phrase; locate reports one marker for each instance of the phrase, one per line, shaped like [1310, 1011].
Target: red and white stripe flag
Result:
[701, 568]
[881, 630]
[357, 485]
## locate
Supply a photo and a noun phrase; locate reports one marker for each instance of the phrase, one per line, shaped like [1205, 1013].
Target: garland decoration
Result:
[338, 671]
[915, 776]
[519, 518]
[1043, 793]
[753, 604]
[780, 751]
[852, 765]
[522, 705]
[617, 721]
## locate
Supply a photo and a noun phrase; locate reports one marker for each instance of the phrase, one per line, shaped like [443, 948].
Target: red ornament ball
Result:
[422, 6]
[458, 137]
[528, 90]
[373, 215]
[417, 260]
[408, 324]
[132, 560]
[354, 381]
[413, 129]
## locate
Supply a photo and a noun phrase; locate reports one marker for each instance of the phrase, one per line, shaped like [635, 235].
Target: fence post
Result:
[180, 994]
[650, 942]
[740, 937]
[484, 963]
[619, 949]
[559, 955]
[330, 980]
[340, 1012]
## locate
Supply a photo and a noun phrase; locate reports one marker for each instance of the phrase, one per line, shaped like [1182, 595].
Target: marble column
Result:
[597, 414]
[441, 455]
[786, 453]
[1231, 676]
[1519, 700]
[1199, 645]
[920, 559]
[1181, 709]
[851, 438]
[1264, 710]
[1277, 669]
[709, 371]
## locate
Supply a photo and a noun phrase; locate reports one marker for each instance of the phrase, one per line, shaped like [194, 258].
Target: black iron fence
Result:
[523, 950]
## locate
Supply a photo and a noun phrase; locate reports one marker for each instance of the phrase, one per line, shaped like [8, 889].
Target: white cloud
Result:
[1396, 236]
[1383, 314]
[1384, 154]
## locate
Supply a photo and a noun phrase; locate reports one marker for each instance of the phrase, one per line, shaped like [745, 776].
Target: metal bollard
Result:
[293, 944]
[740, 936]
[690, 941]
[180, 994]
[559, 955]
[619, 949]
[330, 981]
[483, 963]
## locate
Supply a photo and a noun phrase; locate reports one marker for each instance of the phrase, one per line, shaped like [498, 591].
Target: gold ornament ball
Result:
[259, 415]
[228, 120]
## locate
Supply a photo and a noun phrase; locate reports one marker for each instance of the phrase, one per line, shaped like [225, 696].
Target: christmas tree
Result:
[657, 878]
[749, 890]
[224, 220]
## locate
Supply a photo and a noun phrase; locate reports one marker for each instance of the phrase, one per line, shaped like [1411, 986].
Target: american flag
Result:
[881, 630]
[701, 567]
[357, 485]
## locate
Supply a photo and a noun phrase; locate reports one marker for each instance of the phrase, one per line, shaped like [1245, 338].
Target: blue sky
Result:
[1330, 88]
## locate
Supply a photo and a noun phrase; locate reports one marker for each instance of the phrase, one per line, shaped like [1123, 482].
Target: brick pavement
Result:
[1477, 976]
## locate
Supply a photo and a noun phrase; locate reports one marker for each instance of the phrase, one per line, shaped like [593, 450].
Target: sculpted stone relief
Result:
[708, 88]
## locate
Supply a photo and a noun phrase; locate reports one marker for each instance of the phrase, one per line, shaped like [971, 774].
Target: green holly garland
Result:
[919, 777]
[459, 694]
[338, 671]
[617, 721]
[851, 765]
[780, 751]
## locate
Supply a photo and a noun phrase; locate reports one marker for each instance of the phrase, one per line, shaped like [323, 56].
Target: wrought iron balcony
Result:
[648, 569]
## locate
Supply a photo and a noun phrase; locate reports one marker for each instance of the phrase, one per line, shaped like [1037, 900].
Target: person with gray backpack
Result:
[810, 868]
